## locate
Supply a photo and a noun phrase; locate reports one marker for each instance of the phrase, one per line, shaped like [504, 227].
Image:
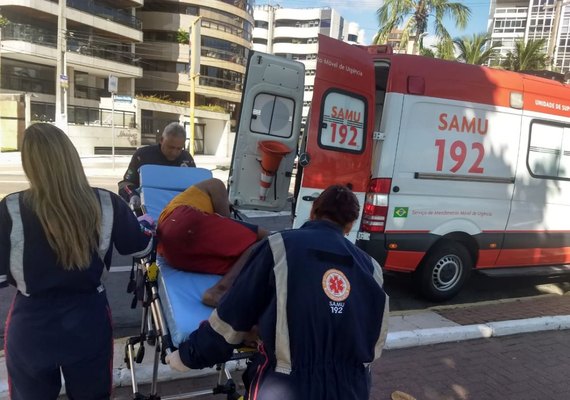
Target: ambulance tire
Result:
[444, 270]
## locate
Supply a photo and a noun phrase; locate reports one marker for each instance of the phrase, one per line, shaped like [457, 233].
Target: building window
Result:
[549, 150]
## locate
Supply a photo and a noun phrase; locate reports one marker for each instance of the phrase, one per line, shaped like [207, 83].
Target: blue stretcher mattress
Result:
[180, 292]
[181, 295]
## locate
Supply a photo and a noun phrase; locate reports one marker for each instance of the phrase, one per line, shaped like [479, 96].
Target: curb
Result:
[422, 337]
[394, 340]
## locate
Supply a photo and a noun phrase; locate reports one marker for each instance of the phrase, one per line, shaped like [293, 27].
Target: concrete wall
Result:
[12, 121]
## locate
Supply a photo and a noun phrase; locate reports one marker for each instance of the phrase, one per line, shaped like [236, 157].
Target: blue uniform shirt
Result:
[28, 262]
[321, 312]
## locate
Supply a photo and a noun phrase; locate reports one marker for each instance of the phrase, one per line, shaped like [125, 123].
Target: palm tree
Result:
[416, 14]
[424, 51]
[445, 50]
[527, 56]
[475, 49]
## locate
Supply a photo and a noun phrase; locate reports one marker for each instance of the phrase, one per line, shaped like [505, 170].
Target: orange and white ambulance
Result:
[457, 167]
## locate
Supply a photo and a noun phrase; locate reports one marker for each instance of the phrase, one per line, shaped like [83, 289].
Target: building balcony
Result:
[295, 14]
[37, 45]
[111, 14]
[293, 32]
[295, 48]
[175, 52]
[176, 82]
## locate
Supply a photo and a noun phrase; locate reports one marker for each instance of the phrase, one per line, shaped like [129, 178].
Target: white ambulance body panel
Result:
[455, 165]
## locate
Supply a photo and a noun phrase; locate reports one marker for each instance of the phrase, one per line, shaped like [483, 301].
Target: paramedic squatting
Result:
[56, 241]
[319, 305]
[169, 151]
[195, 233]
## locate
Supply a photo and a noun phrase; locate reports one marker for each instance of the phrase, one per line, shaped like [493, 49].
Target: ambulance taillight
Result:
[376, 205]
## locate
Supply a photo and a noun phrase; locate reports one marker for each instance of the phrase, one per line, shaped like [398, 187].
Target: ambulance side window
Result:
[272, 115]
[549, 150]
[343, 122]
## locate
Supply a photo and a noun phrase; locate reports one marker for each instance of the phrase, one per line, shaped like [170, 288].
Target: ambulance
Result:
[456, 167]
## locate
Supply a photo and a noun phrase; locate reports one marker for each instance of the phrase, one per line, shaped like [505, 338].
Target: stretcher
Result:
[170, 298]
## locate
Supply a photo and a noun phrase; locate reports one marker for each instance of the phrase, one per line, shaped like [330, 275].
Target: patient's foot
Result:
[213, 295]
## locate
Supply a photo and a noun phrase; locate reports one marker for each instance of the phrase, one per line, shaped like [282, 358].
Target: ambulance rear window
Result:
[343, 122]
[272, 115]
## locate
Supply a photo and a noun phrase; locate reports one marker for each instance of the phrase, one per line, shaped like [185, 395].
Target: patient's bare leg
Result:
[213, 295]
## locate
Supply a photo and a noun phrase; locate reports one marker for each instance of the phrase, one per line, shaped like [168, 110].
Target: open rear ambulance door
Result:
[268, 133]
[339, 133]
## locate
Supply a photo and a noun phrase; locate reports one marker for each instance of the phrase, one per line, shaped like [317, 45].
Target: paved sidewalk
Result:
[532, 366]
[499, 363]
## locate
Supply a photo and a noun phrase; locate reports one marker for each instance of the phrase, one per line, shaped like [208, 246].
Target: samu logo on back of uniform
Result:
[337, 288]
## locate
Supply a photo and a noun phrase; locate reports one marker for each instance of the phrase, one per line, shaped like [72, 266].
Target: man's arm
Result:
[229, 324]
[131, 179]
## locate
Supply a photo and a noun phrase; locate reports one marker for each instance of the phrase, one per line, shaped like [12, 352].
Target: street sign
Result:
[64, 81]
[123, 99]
[113, 84]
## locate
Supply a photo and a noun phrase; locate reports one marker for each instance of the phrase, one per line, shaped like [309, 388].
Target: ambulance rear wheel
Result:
[444, 271]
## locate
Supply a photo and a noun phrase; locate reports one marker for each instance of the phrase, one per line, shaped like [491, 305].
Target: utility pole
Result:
[195, 50]
[553, 40]
[61, 79]
[113, 86]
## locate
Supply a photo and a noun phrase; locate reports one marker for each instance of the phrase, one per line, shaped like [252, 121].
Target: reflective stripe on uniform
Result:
[106, 222]
[17, 242]
[223, 328]
[280, 270]
[377, 274]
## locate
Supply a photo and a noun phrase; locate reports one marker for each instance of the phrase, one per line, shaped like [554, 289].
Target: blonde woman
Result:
[56, 240]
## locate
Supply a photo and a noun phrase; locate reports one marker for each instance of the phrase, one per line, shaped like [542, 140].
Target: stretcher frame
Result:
[154, 329]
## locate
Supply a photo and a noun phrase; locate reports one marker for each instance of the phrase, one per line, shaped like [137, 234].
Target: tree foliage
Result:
[476, 49]
[527, 56]
[445, 50]
[183, 36]
[413, 16]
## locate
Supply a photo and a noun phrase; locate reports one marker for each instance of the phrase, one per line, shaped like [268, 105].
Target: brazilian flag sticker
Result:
[401, 212]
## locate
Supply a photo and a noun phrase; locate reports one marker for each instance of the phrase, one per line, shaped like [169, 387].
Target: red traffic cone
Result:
[272, 152]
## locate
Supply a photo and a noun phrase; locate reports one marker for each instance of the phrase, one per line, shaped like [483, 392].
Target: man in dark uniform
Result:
[170, 151]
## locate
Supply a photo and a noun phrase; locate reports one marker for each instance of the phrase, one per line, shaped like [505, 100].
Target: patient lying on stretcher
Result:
[196, 234]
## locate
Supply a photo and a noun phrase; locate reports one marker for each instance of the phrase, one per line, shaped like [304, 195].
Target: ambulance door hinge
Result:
[379, 136]
[363, 236]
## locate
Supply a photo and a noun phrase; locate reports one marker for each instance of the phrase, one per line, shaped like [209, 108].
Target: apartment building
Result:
[96, 39]
[293, 33]
[226, 28]
[510, 21]
[103, 38]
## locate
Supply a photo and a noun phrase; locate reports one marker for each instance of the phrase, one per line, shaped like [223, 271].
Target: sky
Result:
[365, 14]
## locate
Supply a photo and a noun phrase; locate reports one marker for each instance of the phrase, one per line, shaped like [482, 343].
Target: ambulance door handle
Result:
[309, 198]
